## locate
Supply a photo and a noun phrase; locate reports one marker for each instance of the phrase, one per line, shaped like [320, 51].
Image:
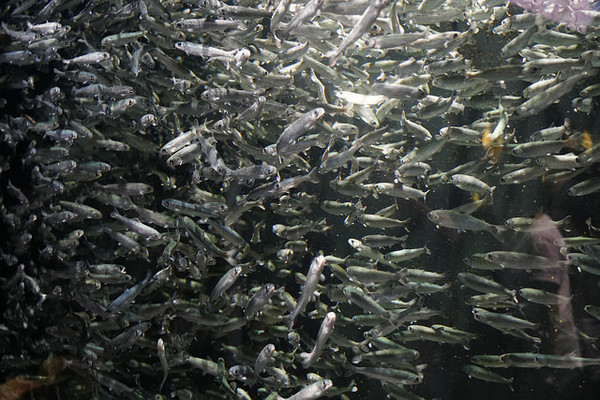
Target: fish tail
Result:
[566, 222]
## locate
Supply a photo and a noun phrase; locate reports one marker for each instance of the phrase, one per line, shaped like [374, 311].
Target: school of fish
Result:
[299, 199]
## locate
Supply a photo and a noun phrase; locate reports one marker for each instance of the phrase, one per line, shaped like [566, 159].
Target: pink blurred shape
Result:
[576, 14]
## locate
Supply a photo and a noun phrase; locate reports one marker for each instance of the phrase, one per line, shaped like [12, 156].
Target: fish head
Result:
[433, 216]
[354, 243]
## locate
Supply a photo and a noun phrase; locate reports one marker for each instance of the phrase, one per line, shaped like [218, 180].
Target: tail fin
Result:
[565, 223]
[313, 176]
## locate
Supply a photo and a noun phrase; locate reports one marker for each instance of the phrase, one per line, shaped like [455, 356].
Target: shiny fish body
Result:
[324, 332]
[455, 220]
[298, 128]
[542, 296]
[518, 260]
[484, 285]
[363, 24]
[312, 278]
[502, 320]
[471, 184]
[226, 281]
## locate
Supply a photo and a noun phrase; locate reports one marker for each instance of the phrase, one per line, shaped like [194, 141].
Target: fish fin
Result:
[305, 359]
[313, 176]
[349, 220]
[289, 321]
[566, 223]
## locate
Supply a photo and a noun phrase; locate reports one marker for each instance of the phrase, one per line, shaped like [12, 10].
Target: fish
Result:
[484, 285]
[542, 296]
[312, 278]
[457, 220]
[258, 300]
[263, 357]
[153, 153]
[296, 129]
[362, 25]
[163, 360]
[501, 321]
[389, 375]
[226, 281]
[471, 184]
[312, 391]
[304, 14]
[474, 371]
[517, 260]
[307, 359]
